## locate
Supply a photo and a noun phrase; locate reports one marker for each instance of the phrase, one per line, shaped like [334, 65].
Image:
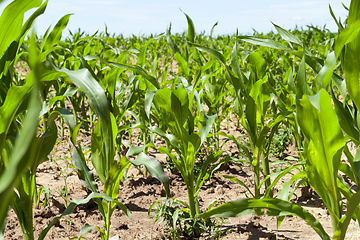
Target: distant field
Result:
[233, 137]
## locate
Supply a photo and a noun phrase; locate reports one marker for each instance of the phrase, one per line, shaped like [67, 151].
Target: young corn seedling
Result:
[175, 109]
[252, 101]
[20, 154]
[254, 95]
[279, 207]
[103, 146]
[324, 139]
[326, 142]
[17, 164]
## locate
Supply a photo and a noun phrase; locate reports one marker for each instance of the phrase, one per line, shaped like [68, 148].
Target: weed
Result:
[42, 190]
[281, 141]
[181, 225]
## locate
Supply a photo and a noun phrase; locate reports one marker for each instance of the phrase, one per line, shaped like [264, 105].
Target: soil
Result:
[138, 193]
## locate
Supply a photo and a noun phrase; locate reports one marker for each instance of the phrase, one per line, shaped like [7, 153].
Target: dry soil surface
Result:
[139, 193]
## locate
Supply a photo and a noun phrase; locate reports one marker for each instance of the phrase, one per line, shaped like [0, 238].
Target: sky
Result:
[153, 17]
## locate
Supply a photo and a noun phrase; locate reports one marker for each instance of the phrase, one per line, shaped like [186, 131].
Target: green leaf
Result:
[264, 42]
[175, 218]
[69, 119]
[323, 153]
[191, 29]
[346, 119]
[83, 79]
[170, 41]
[23, 153]
[97, 157]
[31, 20]
[259, 63]
[2, 229]
[243, 206]
[282, 192]
[190, 161]
[136, 69]
[349, 34]
[168, 137]
[180, 105]
[149, 96]
[55, 35]
[250, 111]
[205, 172]
[183, 65]
[154, 168]
[44, 146]
[135, 150]
[301, 86]
[11, 21]
[211, 34]
[85, 229]
[235, 67]
[116, 172]
[85, 175]
[357, 164]
[213, 52]
[283, 195]
[14, 99]
[338, 23]
[207, 124]
[76, 202]
[103, 147]
[142, 55]
[287, 36]
[325, 75]
[239, 145]
[352, 206]
[352, 56]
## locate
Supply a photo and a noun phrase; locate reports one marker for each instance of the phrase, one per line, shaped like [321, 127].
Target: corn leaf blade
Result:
[245, 206]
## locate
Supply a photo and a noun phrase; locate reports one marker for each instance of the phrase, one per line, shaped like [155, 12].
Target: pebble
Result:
[219, 189]
[116, 237]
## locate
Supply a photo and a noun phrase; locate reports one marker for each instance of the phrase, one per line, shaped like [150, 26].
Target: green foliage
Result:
[180, 222]
[245, 206]
[183, 88]
[282, 139]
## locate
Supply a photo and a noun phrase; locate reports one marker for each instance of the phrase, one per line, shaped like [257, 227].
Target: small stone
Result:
[116, 237]
[219, 189]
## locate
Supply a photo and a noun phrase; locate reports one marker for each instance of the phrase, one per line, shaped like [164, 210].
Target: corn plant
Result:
[175, 108]
[103, 146]
[324, 139]
[259, 79]
[20, 155]
[251, 106]
[26, 191]
[18, 162]
[278, 207]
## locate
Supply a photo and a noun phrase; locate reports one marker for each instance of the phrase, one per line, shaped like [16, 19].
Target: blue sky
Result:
[153, 17]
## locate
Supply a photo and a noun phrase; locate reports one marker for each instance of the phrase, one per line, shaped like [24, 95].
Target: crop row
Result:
[180, 87]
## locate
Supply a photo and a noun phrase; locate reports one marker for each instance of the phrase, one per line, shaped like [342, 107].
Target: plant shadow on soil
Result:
[139, 193]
